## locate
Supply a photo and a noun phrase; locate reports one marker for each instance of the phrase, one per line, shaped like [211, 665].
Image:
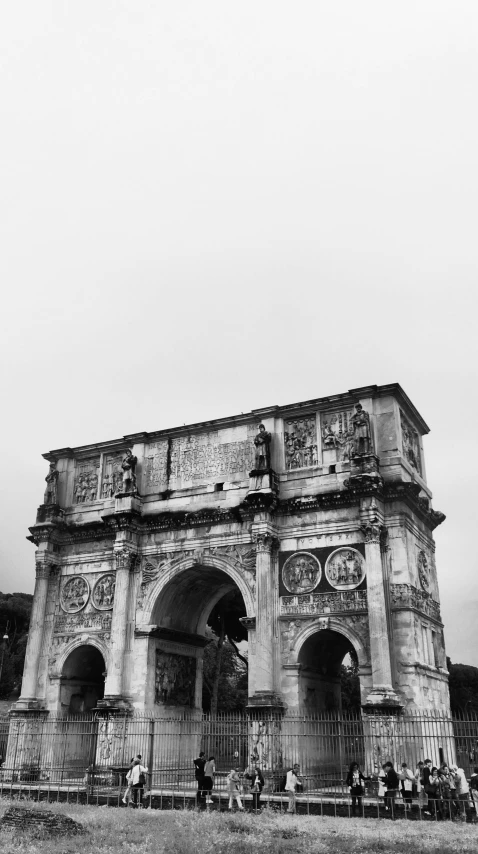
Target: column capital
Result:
[265, 542]
[125, 558]
[372, 531]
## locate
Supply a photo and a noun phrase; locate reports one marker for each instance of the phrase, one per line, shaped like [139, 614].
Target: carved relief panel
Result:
[155, 466]
[410, 443]
[86, 481]
[203, 455]
[337, 432]
[423, 568]
[300, 442]
[301, 573]
[345, 569]
[104, 592]
[112, 475]
[74, 594]
[175, 679]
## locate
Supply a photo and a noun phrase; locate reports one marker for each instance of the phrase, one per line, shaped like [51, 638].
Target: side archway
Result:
[82, 677]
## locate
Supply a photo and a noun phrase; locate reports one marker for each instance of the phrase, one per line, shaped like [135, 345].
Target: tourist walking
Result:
[355, 780]
[136, 778]
[291, 782]
[407, 780]
[199, 764]
[391, 786]
[254, 774]
[233, 781]
[208, 781]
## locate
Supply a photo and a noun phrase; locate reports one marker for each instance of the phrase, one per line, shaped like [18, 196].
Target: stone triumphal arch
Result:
[318, 513]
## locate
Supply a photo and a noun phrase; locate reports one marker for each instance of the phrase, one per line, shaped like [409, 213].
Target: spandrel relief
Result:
[300, 443]
[345, 569]
[410, 443]
[338, 434]
[85, 487]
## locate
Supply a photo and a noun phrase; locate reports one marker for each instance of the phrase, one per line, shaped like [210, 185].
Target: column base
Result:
[114, 705]
[28, 704]
[382, 700]
[265, 701]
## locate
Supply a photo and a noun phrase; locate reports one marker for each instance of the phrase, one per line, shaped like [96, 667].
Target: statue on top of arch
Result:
[362, 438]
[129, 472]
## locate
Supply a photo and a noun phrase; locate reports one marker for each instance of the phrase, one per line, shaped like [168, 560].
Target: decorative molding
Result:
[423, 567]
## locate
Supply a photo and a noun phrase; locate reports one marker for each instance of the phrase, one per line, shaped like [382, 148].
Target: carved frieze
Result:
[410, 443]
[345, 569]
[301, 573]
[175, 679]
[324, 603]
[74, 594]
[338, 433]
[85, 487]
[73, 623]
[104, 592]
[203, 455]
[408, 596]
[300, 442]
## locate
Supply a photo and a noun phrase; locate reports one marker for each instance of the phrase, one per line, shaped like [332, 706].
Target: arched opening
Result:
[82, 680]
[200, 608]
[328, 679]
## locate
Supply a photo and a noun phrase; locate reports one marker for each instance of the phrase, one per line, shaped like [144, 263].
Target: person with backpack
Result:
[136, 778]
[355, 780]
[391, 785]
[233, 781]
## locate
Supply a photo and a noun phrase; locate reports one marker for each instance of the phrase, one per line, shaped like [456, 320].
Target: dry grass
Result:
[122, 831]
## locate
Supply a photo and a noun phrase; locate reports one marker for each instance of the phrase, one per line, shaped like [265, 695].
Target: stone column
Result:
[264, 659]
[28, 698]
[125, 561]
[382, 693]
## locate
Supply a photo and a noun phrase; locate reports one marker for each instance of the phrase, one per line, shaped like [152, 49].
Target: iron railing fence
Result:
[89, 755]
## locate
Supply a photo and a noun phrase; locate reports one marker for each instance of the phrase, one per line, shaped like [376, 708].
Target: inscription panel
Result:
[203, 456]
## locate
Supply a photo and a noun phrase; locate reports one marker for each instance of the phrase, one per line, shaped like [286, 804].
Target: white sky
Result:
[208, 207]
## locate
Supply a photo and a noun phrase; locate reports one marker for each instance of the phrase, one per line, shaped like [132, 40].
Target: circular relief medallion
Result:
[423, 570]
[104, 592]
[301, 573]
[74, 595]
[345, 569]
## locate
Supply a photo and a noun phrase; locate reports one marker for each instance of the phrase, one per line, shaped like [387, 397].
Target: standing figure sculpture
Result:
[129, 468]
[51, 491]
[362, 441]
[263, 449]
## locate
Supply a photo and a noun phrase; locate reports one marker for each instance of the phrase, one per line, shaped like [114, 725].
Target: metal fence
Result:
[87, 756]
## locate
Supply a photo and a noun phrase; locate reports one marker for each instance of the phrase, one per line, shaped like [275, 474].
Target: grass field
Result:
[122, 831]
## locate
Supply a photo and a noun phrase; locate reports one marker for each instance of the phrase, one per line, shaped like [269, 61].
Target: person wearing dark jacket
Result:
[391, 785]
[254, 775]
[199, 764]
[355, 780]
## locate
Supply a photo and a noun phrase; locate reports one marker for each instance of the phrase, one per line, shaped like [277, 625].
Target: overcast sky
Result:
[208, 207]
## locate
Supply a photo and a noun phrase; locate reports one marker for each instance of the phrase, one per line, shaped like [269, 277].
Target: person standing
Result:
[474, 789]
[435, 793]
[419, 782]
[462, 788]
[391, 786]
[355, 781]
[407, 779]
[254, 774]
[199, 764]
[136, 778]
[234, 788]
[427, 770]
[291, 783]
[208, 781]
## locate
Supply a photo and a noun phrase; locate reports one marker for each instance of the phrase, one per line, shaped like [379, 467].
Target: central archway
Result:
[187, 601]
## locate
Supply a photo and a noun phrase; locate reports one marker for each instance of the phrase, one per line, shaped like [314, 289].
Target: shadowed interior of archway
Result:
[82, 680]
[321, 657]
